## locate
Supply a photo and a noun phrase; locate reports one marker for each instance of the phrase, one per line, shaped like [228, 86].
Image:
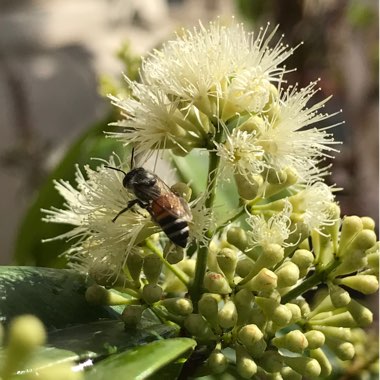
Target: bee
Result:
[170, 211]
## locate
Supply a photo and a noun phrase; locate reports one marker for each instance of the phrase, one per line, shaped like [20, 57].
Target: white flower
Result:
[90, 209]
[274, 230]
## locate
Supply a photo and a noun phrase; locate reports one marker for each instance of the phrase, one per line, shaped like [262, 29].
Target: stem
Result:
[318, 277]
[176, 271]
[201, 264]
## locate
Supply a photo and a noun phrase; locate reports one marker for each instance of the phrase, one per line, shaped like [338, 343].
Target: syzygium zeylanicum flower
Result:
[239, 282]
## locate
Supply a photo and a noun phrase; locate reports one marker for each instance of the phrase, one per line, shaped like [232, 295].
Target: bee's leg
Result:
[130, 204]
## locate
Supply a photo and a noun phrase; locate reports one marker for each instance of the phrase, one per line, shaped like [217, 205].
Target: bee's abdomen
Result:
[177, 229]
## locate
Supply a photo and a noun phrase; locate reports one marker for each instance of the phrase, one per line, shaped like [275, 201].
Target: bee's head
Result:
[138, 177]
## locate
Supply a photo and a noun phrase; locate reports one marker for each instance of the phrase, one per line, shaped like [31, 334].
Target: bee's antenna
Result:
[132, 164]
[119, 170]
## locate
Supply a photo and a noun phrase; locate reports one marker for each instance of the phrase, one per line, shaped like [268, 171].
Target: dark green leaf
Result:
[141, 362]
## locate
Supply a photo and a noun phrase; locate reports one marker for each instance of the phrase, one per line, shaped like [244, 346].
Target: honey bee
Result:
[170, 211]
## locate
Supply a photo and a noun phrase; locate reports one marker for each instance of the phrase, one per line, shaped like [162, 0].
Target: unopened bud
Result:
[287, 275]
[362, 315]
[132, 314]
[363, 283]
[196, 325]
[243, 300]
[227, 315]
[134, 265]
[343, 319]
[248, 187]
[208, 307]
[175, 255]
[178, 305]
[303, 259]
[182, 190]
[307, 367]
[343, 350]
[151, 293]
[294, 341]
[98, 295]
[253, 125]
[271, 361]
[152, 268]
[323, 360]
[245, 365]
[288, 373]
[265, 280]
[351, 225]
[217, 362]
[339, 297]
[237, 237]
[368, 223]
[244, 267]
[105, 277]
[296, 312]
[315, 339]
[362, 241]
[274, 311]
[227, 260]
[303, 305]
[373, 258]
[291, 179]
[249, 335]
[342, 333]
[216, 283]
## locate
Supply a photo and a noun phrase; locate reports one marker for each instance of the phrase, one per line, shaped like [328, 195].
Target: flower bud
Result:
[105, 277]
[244, 267]
[238, 238]
[257, 317]
[98, 295]
[227, 260]
[296, 312]
[353, 262]
[196, 325]
[287, 275]
[178, 305]
[132, 314]
[243, 300]
[323, 360]
[182, 190]
[343, 350]
[288, 373]
[271, 361]
[362, 241]
[315, 339]
[227, 315]
[343, 319]
[265, 280]
[249, 335]
[363, 316]
[351, 225]
[151, 293]
[152, 268]
[245, 365]
[305, 366]
[253, 125]
[373, 258]
[303, 259]
[175, 255]
[368, 223]
[274, 311]
[248, 188]
[217, 362]
[274, 177]
[216, 283]
[274, 188]
[342, 333]
[134, 265]
[363, 283]
[303, 305]
[294, 341]
[208, 307]
[339, 297]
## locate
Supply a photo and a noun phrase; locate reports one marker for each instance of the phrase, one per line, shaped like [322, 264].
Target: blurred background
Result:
[54, 52]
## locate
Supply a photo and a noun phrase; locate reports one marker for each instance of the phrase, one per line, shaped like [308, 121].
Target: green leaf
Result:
[56, 296]
[141, 362]
[29, 249]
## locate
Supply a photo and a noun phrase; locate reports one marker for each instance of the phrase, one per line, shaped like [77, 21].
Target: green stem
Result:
[201, 264]
[315, 279]
[176, 271]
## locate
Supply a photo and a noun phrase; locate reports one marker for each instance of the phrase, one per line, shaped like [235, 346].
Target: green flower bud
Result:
[339, 297]
[238, 238]
[303, 305]
[208, 307]
[305, 366]
[98, 295]
[152, 268]
[324, 362]
[182, 190]
[178, 305]
[294, 341]
[217, 362]
[360, 313]
[243, 300]
[265, 280]
[343, 319]
[227, 260]
[343, 350]
[353, 262]
[132, 314]
[196, 325]
[257, 317]
[333, 230]
[303, 259]
[245, 365]
[296, 312]
[151, 293]
[368, 223]
[249, 335]
[373, 258]
[351, 225]
[244, 267]
[248, 188]
[134, 265]
[175, 255]
[315, 339]
[288, 373]
[105, 277]
[216, 283]
[227, 315]
[274, 311]
[275, 177]
[287, 275]
[362, 241]
[252, 125]
[342, 333]
[271, 361]
[291, 179]
[364, 283]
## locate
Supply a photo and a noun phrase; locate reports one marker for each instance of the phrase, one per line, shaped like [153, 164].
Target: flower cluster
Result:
[239, 283]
